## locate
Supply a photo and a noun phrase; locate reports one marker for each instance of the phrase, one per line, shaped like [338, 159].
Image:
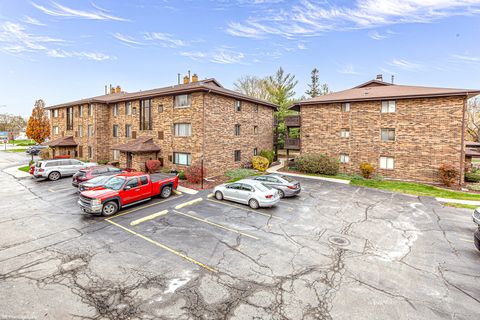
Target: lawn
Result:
[239, 174]
[417, 189]
[23, 143]
[24, 168]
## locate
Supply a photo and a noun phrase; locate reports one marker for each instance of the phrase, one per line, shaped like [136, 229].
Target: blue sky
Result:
[65, 50]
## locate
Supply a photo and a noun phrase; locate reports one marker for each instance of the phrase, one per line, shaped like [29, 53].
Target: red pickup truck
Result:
[127, 189]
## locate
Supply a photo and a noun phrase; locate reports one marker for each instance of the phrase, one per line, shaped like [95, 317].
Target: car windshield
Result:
[115, 183]
[288, 179]
[98, 180]
[263, 187]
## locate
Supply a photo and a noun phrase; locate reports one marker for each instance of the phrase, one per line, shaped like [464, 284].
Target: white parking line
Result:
[61, 189]
[150, 217]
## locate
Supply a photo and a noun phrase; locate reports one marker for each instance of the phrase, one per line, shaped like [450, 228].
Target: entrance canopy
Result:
[139, 145]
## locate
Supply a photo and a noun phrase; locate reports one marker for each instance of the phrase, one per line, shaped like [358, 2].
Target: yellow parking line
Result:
[188, 203]
[471, 241]
[150, 217]
[158, 244]
[210, 195]
[215, 224]
[142, 207]
[177, 192]
[247, 209]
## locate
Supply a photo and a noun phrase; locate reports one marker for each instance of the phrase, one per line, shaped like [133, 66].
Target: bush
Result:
[153, 165]
[103, 162]
[448, 174]
[248, 165]
[269, 154]
[472, 177]
[260, 163]
[193, 174]
[317, 163]
[366, 170]
[181, 175]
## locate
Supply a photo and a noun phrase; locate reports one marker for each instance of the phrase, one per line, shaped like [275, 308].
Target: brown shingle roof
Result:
[141, 144]
[208, 85]
[379, 90]
[62, 142]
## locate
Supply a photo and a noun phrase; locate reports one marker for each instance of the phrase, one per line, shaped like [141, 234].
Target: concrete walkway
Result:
[13, 171]
[275, 169]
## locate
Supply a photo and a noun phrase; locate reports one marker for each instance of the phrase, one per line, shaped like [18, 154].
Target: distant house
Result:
[406, 132]
[179, 125]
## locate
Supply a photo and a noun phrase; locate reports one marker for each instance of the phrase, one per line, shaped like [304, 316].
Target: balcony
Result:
[292, 144]
[292, 121]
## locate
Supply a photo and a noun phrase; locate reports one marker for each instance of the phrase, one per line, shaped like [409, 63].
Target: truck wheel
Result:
[218, 195]
[253, 204]
[166, 192]
[109, 208]
[54, 176]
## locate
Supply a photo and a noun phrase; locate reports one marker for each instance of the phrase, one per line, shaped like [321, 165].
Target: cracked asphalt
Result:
[335, 252]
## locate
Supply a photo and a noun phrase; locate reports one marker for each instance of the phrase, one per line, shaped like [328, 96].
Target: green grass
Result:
[24, 168]
[16, 150]
[460, 205]
[338, 176]
[23, 143]
[239, 174]
[417, 189]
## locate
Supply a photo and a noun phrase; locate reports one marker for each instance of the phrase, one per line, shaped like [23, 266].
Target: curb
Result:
[470, 202]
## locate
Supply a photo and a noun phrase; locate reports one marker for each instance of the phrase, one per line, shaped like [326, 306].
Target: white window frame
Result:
[128, 130]
[128, 108]
[90, 110]
[344, 158]
[80, 111]
[116, 154]
[182, 158]
[345, 107]
[116, 131]
[115, 109]
[90, 130]
[80, 131]
[345, 133]
[55, 129]
[182, 129]
[388, 106]
[255, 151]
[238, 105]
[180, 101]
[55, 113]
[388, 130]
[387, 163]
[237, 130]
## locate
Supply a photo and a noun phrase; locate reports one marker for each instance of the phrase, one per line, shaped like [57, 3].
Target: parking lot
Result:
[334, 252]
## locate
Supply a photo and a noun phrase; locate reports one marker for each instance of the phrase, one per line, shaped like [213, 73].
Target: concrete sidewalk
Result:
[275, 169]
[13, 171]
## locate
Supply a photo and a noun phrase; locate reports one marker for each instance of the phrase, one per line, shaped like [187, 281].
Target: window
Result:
[345, 107]
[183, 101]
[387, 134]
[182, 129]
[145, 115]
[143, 180]
[80, 111]
[55, 130]
[115, 130]
[160, 108]
[70, 118]
[90, 130]
[255, 129]
[238, 105]
[255, 151]
[55, 113]
[115, 109]
[128, 108]
[132, 183]
[237, 154]
[90, 109]
[182, 158]
[80, 131]
[387, 163]
[90, 152]
[388, 106]
[237, 129]
[344, 158]
[345, 133]
[128, 130]
[255, 108]
[116, 154]
[246, 187]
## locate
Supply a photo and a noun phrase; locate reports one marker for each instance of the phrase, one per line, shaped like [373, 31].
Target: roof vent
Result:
[379, 77]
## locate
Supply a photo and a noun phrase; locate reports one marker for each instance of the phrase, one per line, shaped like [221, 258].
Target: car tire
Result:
[253, 204]
[166, 192]
[281, 194]
[476, 239]
[218, 195]
[54, 176]
[109, 209]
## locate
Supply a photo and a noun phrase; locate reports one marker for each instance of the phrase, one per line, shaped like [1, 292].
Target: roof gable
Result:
[374, 83]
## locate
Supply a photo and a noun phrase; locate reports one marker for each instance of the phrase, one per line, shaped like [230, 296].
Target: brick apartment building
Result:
[405, 132]
[179, 125]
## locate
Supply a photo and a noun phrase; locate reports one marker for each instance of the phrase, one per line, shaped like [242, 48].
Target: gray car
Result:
[286, 186]
[56, 168]
[251, 192]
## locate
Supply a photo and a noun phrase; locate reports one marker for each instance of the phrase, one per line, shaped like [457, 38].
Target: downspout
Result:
[204, 134]
[462, 152]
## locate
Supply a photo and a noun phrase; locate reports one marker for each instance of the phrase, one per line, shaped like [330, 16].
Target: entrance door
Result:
[129, 160]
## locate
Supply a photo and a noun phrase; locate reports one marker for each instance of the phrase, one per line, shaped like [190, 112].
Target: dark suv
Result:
[91, 172]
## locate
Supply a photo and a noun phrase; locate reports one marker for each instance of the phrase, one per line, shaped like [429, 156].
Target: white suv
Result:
[57, 168]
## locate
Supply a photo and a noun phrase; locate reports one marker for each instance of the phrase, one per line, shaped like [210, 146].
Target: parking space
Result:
[333, 250]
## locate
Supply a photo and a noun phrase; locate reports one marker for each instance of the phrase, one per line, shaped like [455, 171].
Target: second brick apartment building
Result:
[180, 125]
[405, 132]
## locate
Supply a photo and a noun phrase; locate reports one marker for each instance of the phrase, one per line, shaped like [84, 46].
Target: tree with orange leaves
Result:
[38, 127]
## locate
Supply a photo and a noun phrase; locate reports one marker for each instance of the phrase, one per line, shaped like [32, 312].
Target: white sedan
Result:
[246, 191]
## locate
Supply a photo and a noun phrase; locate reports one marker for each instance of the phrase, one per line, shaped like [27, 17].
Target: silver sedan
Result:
[246, 191]
[286, 186]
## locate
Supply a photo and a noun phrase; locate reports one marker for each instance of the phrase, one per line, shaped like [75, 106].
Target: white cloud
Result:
[348, 69]
[301, 46]
[308, 18]
[165, 39]
[128, 40]
[466, 58]
[195, 55]
[375, 35]
[33, 21]
[226, 56]
[405, 65]
[97, 56]
[59, 10]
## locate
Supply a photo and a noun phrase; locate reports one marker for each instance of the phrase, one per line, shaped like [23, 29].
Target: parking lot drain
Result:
[339, 241]
[150, 217]
[188, 203]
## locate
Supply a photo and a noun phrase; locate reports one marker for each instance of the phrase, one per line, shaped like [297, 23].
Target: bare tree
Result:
[11, 123]
[252, 86]
[473, 119]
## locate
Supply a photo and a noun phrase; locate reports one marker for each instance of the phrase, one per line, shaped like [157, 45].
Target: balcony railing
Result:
[292, 144]
[292, 121]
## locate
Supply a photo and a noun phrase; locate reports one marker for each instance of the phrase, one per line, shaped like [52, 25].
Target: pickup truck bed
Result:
[154, 177]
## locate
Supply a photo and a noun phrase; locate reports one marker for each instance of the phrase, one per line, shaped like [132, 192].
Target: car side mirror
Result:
[127, 188]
